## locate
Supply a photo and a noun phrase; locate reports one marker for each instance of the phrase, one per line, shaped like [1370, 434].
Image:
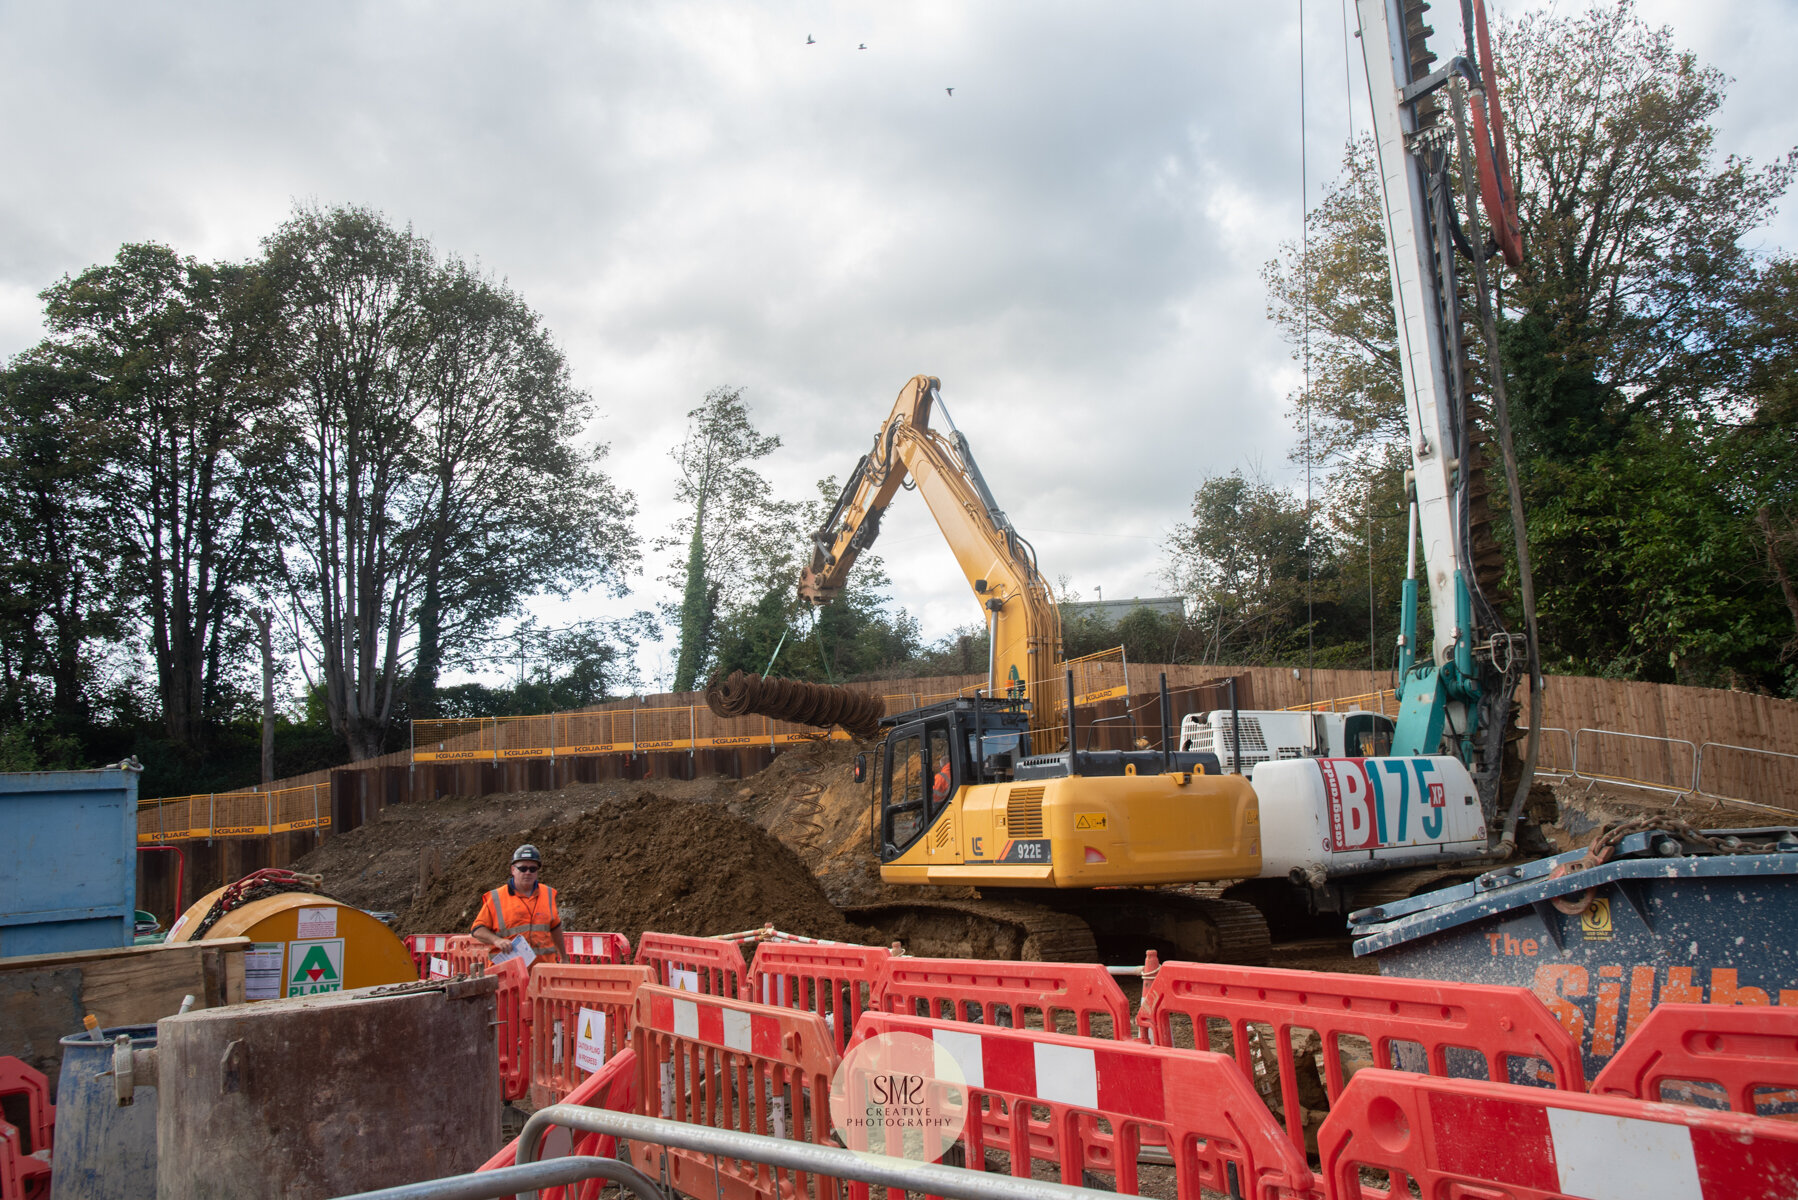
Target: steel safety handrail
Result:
[1641, 783]
[1572, 767]
[932, 1179]
[509, 1181]
[1698, 778]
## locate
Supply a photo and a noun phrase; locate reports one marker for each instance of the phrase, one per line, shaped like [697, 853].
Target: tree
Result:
[433, 480]
[1243, 561]
[515, 506]
[738, 538]
[62, 590]
[351, 288]
[174, 357]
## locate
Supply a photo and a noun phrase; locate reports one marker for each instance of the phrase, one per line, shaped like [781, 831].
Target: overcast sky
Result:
[692, 196]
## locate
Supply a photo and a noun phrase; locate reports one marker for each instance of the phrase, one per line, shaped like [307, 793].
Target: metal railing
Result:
[234, 814]
[511, 1181]
[1686, 770]
[830, 1162]
[1783, 771]
[1679, 783]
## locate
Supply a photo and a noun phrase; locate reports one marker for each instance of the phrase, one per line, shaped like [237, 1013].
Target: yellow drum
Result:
[304, 945]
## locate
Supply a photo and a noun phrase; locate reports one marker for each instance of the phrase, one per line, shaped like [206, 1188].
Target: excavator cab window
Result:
[1367, 735]
[942, 768]
[902, 813]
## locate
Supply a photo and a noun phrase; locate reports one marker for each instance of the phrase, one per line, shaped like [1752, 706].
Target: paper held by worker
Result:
[521, 950]
[590, 1042]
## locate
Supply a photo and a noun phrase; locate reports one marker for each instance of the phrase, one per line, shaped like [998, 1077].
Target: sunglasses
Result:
[526, 870]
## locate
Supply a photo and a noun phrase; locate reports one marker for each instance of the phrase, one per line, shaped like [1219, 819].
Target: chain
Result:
[1604, 847]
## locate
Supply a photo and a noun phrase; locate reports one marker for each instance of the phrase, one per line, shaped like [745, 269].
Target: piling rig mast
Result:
[1457, 694]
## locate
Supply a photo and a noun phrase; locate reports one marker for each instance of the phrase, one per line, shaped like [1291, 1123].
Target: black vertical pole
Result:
[1167, 729]
[1073, 745]
[1235, 731]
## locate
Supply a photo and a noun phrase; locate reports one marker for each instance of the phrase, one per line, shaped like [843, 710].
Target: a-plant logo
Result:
[899, 1095]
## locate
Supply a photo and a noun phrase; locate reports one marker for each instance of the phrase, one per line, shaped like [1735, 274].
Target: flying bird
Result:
[951, 91]
[810, 40]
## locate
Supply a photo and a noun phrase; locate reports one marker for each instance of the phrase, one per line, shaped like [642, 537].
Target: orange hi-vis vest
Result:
[507, 913]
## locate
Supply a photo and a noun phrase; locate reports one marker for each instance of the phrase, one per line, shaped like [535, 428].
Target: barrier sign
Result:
[590, 1040]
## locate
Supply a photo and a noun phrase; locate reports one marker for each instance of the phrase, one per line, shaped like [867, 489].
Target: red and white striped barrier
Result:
[1747, 1054]
[837, 981]
[597, 947]
[427, 946]
[694, 964]
[1459, 1137]
[1102, 1098]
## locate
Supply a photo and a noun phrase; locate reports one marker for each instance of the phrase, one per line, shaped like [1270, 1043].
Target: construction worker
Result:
[940, 789]
[524, 906]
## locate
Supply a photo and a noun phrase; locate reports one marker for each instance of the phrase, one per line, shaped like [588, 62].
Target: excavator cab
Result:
[932, 752]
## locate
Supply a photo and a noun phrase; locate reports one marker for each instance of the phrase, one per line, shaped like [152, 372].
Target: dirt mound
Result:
[808, 798]
[384, 865]
[649, 862]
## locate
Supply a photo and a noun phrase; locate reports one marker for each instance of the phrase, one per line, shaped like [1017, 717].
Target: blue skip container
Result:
[104, 1150]
[1670, 920]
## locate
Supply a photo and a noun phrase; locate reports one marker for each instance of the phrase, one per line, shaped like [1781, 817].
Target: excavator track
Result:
[1078, 926]
[981, 929]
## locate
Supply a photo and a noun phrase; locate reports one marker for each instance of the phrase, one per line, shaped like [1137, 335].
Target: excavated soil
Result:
[649, 862]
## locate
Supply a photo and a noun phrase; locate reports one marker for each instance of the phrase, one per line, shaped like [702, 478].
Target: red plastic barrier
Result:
[1496, 1141]
[20, 1078]
[467, 956]
[837, 982]
[614, 1087]
[1034, 995]
[1196, 1102]
[514, 1014]
[23, 1172]
[705, 965]
[1496, 1023]
[1740, 1049]
[597, 947]
[558, 993]
[22, 1176]
[426, 946]
[710, 1060]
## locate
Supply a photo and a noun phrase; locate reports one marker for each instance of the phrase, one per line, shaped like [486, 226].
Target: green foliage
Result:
[173, 357]
[736, 538]
[433, 483]
[855, 636]
[1647, 572]
[1243, 560]
[1649, 359]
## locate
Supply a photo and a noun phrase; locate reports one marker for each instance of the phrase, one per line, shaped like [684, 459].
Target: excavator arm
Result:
[1000, 566]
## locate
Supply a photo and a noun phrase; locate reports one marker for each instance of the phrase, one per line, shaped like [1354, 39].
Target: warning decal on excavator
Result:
[1090, 820]
[1025, 850]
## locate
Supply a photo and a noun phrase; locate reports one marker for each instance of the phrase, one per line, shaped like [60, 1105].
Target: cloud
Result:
[692, 196]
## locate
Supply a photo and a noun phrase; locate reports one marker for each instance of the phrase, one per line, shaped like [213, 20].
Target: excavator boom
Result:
[1000, 566]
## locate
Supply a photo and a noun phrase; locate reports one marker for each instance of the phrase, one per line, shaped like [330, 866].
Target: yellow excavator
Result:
[992, 791]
